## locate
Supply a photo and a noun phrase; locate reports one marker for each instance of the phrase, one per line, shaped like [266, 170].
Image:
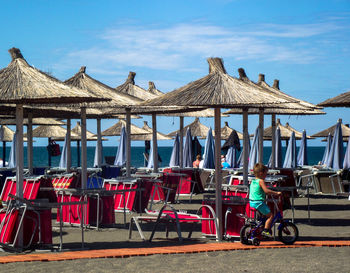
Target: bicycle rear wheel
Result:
[245, 234]
[288, 233]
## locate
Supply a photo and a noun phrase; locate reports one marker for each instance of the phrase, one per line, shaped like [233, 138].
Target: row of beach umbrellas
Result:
[216, 90]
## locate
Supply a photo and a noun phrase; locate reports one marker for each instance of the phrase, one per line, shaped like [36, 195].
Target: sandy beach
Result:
[330, 220]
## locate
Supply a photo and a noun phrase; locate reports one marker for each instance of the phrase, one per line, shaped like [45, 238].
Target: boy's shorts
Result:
[260, 206]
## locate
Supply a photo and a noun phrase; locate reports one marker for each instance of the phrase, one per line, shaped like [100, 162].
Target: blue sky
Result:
[304, 44]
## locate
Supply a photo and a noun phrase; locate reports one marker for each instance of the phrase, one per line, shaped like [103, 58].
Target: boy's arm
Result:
[266, 189]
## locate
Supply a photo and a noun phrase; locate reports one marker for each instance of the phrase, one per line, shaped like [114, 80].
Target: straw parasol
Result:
[116, 129]
[342, 100]
[35, 121]
[22, 84]
[294, 108]
[129, 87]
[286, 131]
[219, 90]
[324, 133]
[226, 132]
[197, 129]
[148, 136]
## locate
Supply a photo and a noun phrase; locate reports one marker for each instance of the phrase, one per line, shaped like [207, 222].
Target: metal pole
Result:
[19, 161]
[128, 142]
[181, 141]
[273, 141]
[99, 143]
[218, 175]
[245, 146]
[261, 135]
[69, 150]
[154, 143]
[83, 149]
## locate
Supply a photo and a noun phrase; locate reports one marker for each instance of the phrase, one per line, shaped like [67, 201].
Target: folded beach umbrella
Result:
[98, 154]
[150, 163]
[175, 154]
[196, 148]
[346, 163]
[278, 150]
[327, 149]
[336, 153]
[254, 151]
[209, 151]
[302, 154]
[231, 157]
[63, 159]
[120, 158]
[240, 158]
[12, 163]
[290, 160]
[187, 152]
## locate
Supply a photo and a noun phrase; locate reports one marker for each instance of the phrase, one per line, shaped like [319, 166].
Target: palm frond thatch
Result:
[85, 82]
[197, 129]
[55, 132]
[35, 121]
[226, 132]
[324, 133]
[342, 100]
[285, 131]
[149, 136]
[116, 129]
[218, 89]
[129, 87]
[6, 134]
[294, 108]
[24, 84]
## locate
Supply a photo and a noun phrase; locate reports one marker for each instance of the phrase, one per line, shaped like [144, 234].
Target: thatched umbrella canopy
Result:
[342, 100]
[149, 136]
[129, 87]
[196, 127]
[345, 130]
[84, 81]
[116, 129]
[299, 107]
[53, 131]
[219, 90]
[22, 84]
[286, 131]
[35, 121]
[226, 132]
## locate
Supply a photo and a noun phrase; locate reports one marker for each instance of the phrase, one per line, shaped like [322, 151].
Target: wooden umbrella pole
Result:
[19, 161]
[261, 135]
[30, 143]
[245, 146]
[83, 149]
[181, 140]
[99, 143]
[69, 150]
[4, 153]
[128, 142]
[154, 144]
[48, 152]
[218, 182]
[273, 141]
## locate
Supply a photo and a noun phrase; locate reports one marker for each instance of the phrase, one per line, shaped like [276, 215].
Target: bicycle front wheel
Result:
[288, 233]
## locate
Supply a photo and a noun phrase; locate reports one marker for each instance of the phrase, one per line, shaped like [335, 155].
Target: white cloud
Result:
[179, 47]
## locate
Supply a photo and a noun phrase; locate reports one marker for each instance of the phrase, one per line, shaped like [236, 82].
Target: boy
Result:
[257, 196]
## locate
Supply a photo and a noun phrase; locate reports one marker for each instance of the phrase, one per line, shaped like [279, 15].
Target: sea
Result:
[40, 155]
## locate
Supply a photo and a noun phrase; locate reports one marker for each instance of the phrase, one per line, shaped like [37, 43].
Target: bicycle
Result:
[250, 233]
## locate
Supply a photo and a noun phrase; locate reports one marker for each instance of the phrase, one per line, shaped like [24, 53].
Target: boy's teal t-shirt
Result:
[256, 193]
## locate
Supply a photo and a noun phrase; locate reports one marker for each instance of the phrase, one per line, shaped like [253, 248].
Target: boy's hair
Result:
[198, 157]
[258, 168]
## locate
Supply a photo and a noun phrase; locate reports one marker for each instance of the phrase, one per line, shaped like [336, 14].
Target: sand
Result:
[330, 220]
